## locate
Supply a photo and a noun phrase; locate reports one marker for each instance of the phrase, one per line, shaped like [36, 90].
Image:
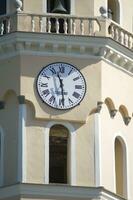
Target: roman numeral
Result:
[70, 101]
[75, 79]
[46, 93]
[44, 75]
[78, 86]
[62, 69]
[44, 84]
[76, 95]
[61, 102]
[70, 72]
[53, 70]
[52, 100]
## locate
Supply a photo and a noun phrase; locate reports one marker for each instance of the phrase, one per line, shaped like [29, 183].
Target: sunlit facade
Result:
[66, 98]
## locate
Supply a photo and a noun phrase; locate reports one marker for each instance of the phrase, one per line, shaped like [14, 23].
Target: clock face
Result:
[61, 85]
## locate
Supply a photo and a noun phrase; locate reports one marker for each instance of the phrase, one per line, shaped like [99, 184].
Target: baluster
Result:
[125, 39]
[57, 25]
[120, 36]
[2, 28]
[65, 26]
[8, 26]
[44, 20]
[71, 26]
[112, 31]
[74, 27]
[129, 41]
[90, 27]
[82, 27]
[132, 42]
[116, 33]
[41, 24]
[49, 25]
[32, 24]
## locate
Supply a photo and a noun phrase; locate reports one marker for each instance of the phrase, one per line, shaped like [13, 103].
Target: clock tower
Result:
[66, 76]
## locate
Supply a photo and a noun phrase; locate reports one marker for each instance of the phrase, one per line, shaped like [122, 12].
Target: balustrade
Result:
[121, 35]
[65, 24]
[5, 25]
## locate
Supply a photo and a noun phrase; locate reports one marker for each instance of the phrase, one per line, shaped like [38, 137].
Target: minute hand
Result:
[61, 86]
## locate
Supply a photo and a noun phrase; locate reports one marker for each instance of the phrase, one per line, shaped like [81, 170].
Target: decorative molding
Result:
[99, 106]
[21, 99]
[113, 113]
[19, 5]
[63, 45]
[35, 191]
[127, 120]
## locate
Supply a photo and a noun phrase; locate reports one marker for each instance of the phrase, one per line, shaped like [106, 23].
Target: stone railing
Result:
[121, 35]
[67, 25]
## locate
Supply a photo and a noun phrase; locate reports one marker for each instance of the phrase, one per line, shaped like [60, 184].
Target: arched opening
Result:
[3, 12]
[2, 7]
[71, 150]
[58, 145]
[120, 168]
[114, 10]
[58, 7]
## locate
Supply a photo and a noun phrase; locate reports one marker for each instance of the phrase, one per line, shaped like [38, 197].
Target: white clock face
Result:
[61, 85]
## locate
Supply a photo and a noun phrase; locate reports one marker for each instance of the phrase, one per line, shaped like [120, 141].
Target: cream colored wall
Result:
[85, 153]
[84, 8]
[35, 130]
[9, 82]
[9, 75]
[122, 84]
[34, 6]
[97, 5]
[35, 147]
[110, 129]
[127, 19]
[116, 85]
[9, 124]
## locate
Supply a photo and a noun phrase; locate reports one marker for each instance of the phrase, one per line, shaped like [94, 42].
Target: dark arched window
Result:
[2, 7]
[58, 143]
[58, 6]
[114, 10]
[120, 168]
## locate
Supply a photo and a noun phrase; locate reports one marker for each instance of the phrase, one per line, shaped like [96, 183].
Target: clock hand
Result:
[62, 92]
[61, 86]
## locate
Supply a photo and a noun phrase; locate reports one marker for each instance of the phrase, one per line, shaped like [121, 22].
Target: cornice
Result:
[99, 48]
[55, 191]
